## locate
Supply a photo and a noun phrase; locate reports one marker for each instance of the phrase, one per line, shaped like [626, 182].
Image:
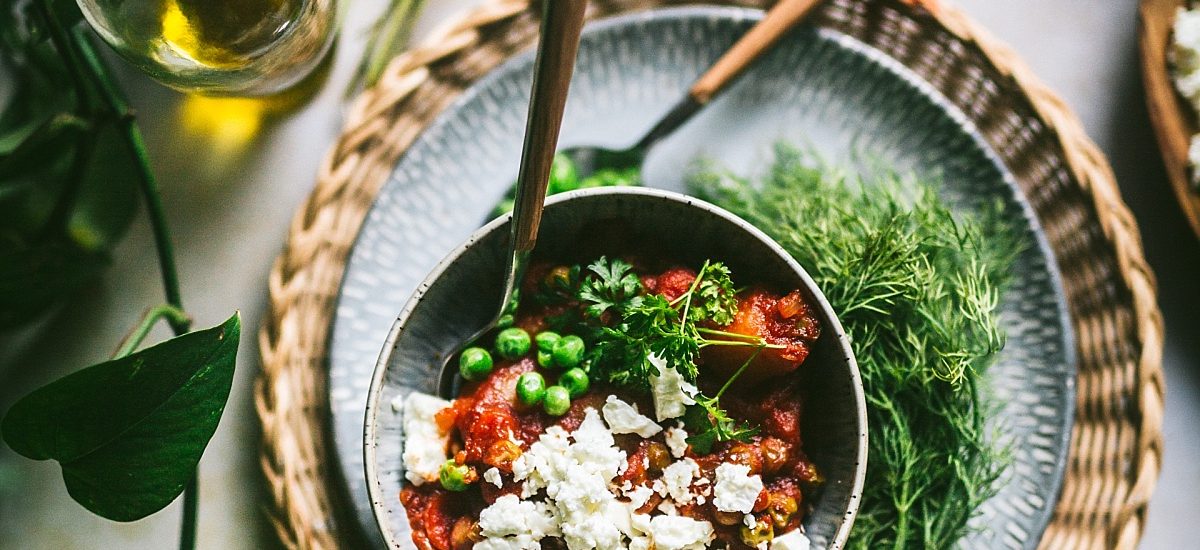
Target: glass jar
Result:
[225, 47]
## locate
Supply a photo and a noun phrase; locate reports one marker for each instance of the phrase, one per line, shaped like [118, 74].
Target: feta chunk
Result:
[639, 496]
[672, 394]
[624, 418]
[736, 490]
[680, 533]
[510, 515]
[492, 475]
[792, 540]
[678, 479]
[677, 441]
[424, 443]
[522, 542]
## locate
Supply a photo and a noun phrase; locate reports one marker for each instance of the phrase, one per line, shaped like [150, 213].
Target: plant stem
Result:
[162, 238]
[59, 37]
[187, 529]
[739, 372]
[150, 191]
[135, 338]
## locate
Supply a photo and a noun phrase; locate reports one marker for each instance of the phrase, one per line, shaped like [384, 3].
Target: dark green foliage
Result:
[916, 288]
[129, 432]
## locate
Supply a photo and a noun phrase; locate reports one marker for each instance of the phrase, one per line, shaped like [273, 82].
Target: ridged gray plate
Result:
[818, 88]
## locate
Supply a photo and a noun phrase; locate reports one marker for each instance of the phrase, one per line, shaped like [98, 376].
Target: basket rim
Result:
[300, 280]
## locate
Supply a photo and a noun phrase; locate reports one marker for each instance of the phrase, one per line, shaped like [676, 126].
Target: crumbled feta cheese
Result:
[676, 439]
[792, 540]
[1185, 57]
[624, 418]
[639, 496]
[749, 520]
[575, 470]
[492, 475]
[659, 487]
[678, 477]
[522, 542]
[736, 490]
[680, 533]
[510, 515]
[1194, 160]
[672, 394]
[424, 443]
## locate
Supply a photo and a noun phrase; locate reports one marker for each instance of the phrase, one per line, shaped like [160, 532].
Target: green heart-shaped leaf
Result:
[129, 432]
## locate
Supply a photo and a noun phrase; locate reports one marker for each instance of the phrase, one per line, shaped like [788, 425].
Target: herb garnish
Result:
[625, 326]
[916, 288]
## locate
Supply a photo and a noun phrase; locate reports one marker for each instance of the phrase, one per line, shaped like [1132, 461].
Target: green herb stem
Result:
[739, 372]
[760, 345]
[152, 316]
[687, 296]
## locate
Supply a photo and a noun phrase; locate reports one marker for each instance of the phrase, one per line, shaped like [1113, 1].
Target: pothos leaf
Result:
[129, 432]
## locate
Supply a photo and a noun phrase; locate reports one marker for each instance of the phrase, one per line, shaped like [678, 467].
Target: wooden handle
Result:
[562, 22]
[758, 40]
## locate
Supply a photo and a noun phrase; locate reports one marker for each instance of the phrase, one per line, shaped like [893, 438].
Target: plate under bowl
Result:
[818, 87]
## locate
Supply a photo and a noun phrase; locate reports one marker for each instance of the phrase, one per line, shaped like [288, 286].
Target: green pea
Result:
[545, 359]
[531, 388]
[575, 380]
[475, 363]
[512, 343]
[546, 339]
[568, 351]
[563, 175]
[557, 401]
[505, 321]
[453, 476]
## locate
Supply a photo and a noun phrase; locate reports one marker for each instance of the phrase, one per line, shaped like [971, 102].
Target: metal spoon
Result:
[562, 22]
[757, 41]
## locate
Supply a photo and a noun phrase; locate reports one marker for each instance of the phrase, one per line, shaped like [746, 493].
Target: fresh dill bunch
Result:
[916, 288]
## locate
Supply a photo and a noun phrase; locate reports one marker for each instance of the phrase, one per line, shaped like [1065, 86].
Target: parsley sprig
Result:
[625, 326]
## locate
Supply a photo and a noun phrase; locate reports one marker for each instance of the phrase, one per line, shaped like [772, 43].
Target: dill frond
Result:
[916, 288]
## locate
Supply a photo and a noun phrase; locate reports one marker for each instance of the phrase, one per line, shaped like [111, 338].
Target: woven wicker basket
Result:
[1116, 443]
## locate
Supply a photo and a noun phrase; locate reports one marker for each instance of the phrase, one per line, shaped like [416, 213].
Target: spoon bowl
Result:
[463, 291]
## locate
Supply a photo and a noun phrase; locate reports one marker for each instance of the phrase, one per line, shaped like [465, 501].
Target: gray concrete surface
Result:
[230, 214]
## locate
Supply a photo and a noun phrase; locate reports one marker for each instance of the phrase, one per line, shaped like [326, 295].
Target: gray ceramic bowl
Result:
[463, 291]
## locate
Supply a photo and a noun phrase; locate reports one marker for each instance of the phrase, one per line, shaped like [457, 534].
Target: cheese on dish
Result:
[1185, 55]
[794, 540]
[672, 394]
[736, 490]
[424, 442]
[624, 418]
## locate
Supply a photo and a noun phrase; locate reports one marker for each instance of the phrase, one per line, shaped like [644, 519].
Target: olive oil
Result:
[243, 47]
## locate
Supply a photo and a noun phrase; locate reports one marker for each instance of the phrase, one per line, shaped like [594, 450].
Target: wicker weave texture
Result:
[1116, 444]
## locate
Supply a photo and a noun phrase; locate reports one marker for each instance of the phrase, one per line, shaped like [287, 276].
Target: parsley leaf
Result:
[609, 285]
[709, 424]
[715, 298]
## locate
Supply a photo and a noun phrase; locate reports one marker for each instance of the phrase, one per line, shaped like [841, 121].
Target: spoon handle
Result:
[562, 21]
[750, 46]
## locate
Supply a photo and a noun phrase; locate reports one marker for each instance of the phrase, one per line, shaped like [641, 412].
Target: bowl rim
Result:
[374, 394]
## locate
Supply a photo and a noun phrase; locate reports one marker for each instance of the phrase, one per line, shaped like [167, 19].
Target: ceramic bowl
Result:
[463, 291]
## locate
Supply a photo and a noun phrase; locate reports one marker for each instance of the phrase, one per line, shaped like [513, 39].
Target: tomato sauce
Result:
[491, 428]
